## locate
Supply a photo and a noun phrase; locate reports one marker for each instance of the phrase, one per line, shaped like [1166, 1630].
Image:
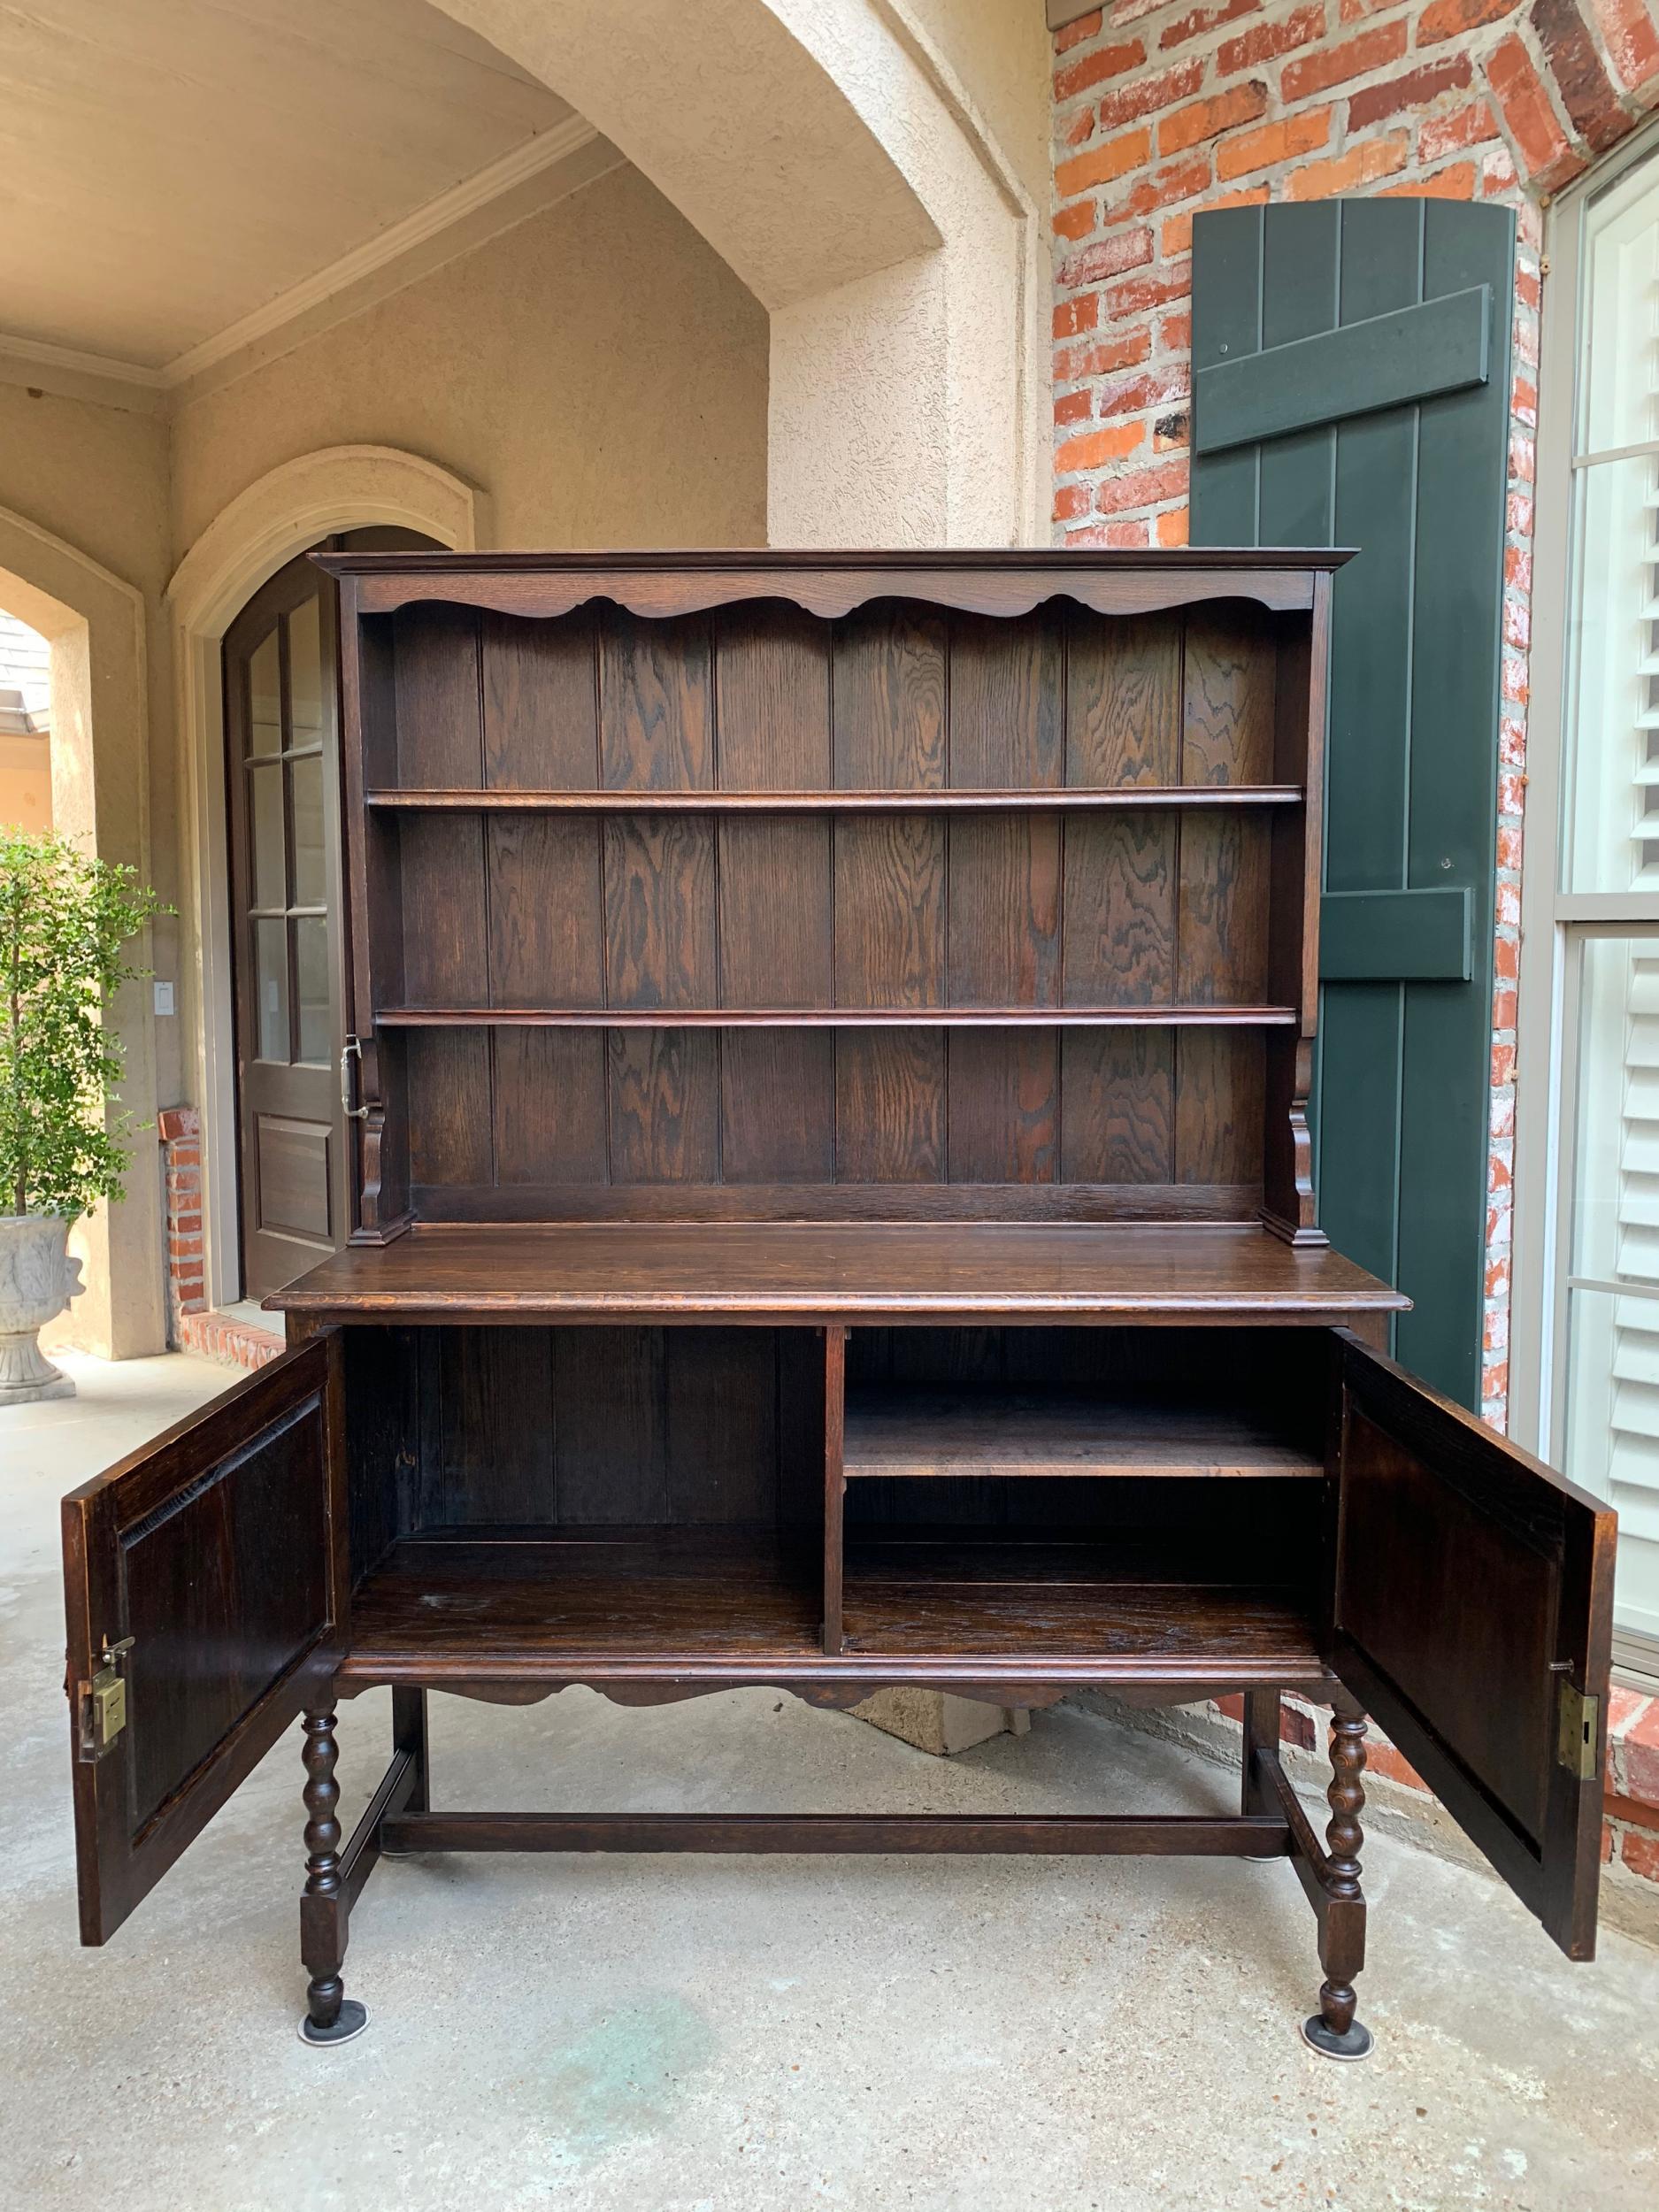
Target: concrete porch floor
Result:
[686, 2035]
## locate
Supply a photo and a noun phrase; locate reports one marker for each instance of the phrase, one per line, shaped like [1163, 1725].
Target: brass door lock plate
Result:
[103, 1702]
[1579, 1731]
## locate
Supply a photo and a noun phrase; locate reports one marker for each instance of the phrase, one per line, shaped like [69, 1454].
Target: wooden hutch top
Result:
[797, 936]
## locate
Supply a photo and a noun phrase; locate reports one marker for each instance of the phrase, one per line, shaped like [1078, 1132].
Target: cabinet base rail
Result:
[1271, 1823]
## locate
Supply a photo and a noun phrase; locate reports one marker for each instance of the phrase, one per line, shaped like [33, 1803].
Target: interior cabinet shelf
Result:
[951, 1434]
[836, 1016]
[1031, 799]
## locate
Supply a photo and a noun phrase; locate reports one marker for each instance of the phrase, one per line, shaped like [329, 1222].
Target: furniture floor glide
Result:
[833, 1211]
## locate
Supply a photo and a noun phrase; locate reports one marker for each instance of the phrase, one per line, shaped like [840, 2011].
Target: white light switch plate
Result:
[163, 998]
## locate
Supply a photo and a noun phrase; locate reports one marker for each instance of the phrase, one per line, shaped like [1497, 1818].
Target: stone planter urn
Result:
[38, 1280]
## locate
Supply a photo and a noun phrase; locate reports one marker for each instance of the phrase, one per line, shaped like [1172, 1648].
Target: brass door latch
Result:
[1579, 1731]
[103, 1702]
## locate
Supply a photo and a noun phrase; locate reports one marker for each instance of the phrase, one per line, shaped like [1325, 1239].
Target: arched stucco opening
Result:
[834, 156]
[95, 625]
[343, 487]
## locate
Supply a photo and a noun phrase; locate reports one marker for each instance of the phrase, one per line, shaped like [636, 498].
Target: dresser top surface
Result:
[817, 1271]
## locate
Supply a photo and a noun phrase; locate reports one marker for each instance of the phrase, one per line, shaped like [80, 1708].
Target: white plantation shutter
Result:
[1611, 869]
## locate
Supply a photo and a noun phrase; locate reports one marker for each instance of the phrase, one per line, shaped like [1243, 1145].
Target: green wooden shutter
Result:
[1351, 387]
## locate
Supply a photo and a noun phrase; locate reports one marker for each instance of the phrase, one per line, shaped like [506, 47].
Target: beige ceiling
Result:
[168, 167]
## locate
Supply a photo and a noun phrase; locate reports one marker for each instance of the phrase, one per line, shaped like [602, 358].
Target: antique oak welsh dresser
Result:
[834, 1210]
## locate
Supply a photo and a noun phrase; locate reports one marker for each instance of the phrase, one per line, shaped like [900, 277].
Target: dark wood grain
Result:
[772, 682]
[659, 912]
[656, 704]
[541, 691]
[1227, 726]
[890, 1105]
[888, 699]
[1122, 700]
[545, 912]
[1006, 724]
[890, 908]
[664, 1094]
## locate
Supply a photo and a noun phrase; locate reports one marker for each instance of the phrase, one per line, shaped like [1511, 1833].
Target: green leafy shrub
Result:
[65, 921]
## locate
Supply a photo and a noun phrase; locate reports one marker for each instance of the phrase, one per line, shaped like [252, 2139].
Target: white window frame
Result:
[1556, 925]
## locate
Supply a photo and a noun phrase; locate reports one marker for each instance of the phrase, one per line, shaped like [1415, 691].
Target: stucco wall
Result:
[97, 477]
[597, 372]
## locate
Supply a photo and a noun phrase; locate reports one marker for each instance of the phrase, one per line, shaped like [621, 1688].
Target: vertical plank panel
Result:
[540, 702]
[439, 723]
[449, 1105]
[1004, 911]
[773, 679]
[1123, 694]
[1227, 697]
[889, 1105]
[889, 699]
[443, 902]
[1360, 1030]
[889, 880]
[546, 925]
[549, 1106]
[498, 1445]
[721, 1397]
[659, 911]
[663, 1087]
[1222, 935]
[655, 703]
[1004, 1096]
[1119, 947]
[775, 910]
[1007, 702]
[1453, 780]
[1118, 1095]
[1219, 1106]
[608, 1417]
[1226, 322]
[777, 1105]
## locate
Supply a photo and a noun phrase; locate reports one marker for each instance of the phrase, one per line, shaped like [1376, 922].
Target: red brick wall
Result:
[1165, 107]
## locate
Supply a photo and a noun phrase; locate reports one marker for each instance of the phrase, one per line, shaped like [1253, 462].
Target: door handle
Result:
[353, 1045]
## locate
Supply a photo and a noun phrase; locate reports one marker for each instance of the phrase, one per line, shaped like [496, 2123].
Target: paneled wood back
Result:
[530, 939]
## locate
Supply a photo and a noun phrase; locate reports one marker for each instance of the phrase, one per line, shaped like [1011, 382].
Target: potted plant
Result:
[65, 922]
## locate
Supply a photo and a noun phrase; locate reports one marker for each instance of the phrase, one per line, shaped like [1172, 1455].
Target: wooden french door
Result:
[282, 771]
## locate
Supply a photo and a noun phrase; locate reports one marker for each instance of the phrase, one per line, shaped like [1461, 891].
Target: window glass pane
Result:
[310, 976]
[264, 697]
[1616, 1167]
[1620, 403]
[305, 794]
[270, 981]
[1612, 1434]
[1611, 820]
[270, 857]
[306, 674]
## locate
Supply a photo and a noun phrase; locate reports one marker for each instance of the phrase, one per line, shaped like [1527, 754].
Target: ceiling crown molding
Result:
[128, 383]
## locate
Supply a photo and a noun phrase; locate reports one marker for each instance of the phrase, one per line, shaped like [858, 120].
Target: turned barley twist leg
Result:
[1334, 2032]
[331, 2016]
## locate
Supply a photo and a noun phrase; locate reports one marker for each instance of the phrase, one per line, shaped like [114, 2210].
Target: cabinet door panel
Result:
[217, 1550]
[1473, 1610]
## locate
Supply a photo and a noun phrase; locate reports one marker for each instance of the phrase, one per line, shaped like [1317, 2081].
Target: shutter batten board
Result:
[1394, 936]
[1386, 361]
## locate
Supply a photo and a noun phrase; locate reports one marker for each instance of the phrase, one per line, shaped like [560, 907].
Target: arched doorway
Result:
[287, 955]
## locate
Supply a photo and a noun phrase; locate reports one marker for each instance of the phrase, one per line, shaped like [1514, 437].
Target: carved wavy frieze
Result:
[1005, 593]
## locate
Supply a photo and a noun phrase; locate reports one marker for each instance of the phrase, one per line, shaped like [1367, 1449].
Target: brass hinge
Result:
[101, 1702]
[1579, 1731]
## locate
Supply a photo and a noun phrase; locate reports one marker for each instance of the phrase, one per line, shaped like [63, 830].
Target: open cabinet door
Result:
[204, 1589]
[1473, 1618]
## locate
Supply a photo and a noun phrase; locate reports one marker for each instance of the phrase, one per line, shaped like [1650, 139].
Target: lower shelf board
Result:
[1054, 1434]
[742, 1605]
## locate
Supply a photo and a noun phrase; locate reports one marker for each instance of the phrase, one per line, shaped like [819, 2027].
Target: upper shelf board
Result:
[1216, 1016]
[815, 1272]
[1030, 800]
[998, 581]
